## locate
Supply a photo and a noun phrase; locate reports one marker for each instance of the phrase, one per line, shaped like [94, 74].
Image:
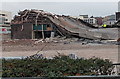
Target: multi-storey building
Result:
[87, 19]
[5, 20]
[90, 20]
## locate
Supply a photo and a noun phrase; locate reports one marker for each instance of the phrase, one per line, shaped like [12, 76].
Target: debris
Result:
[118, 40]
[73, 56]
[41, 40]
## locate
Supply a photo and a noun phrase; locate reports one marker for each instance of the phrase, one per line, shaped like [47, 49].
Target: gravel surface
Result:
[21, 48]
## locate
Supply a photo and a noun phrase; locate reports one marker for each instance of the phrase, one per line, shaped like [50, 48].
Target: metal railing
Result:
[69, 77]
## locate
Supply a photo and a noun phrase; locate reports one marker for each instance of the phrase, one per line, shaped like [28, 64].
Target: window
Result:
[2, 20]
[8, 29]
[3, 14]
[6, 19]
[6, 23]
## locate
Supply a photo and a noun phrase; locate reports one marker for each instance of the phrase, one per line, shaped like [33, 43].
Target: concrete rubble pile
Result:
[25, 23]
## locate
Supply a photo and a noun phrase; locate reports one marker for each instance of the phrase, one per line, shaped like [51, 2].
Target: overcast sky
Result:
[67, 8]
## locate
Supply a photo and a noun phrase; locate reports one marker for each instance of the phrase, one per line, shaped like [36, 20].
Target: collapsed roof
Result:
[67, 25]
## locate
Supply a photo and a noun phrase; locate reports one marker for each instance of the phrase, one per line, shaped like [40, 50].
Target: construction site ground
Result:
[22, 48]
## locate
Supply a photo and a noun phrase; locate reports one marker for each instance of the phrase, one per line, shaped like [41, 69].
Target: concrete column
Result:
[43, 32]
[32, 32]
[52, 35]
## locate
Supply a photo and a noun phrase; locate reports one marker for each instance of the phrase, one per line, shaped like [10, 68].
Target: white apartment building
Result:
[5, 17]
[90, 20]
[5, 20]
[86, 19]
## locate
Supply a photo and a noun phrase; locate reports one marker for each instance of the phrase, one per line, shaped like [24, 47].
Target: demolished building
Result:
[36, 24]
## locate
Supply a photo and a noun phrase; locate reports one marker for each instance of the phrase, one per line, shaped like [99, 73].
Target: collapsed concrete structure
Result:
[36, 24]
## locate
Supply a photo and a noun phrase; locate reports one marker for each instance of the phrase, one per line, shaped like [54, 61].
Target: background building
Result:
[117, 16]
[90, 20]
[119, 6]
[84, 16]
[99, 20]
[80, 16]
[5, 21]
[109, 20]
[118, 13]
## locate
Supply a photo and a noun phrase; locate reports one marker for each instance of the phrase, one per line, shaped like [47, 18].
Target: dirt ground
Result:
[21, 48]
